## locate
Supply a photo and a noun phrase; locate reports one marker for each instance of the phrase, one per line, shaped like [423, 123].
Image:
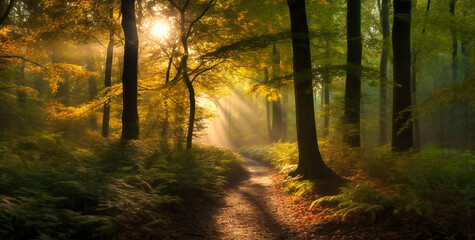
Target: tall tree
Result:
[276, 103]
[130, 118]
[311, 165]
[326, 90]
[108, 75]
[268, 107]
[353, 73]
[183, 69]
[402, 135]
[416, 50]
[383, 71]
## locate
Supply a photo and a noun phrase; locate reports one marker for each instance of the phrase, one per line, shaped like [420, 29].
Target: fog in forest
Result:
[237, 119]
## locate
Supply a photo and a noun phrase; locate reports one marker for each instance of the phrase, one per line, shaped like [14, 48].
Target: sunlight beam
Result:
[160, 29]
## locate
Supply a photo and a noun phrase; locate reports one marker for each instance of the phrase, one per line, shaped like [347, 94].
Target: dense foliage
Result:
[421, 182]
[369, 78]
[55, 189]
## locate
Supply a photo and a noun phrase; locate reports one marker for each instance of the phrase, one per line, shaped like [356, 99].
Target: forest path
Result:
[257, 208]
[254, 208]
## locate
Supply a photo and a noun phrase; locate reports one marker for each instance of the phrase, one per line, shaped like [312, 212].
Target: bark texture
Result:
[353, 74]
[130, 118]
[402, 132]
[383, 71]
[108, 84]
[277, 103]
[311, 165]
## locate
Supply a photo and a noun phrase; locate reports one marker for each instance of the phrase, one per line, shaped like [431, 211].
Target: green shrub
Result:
[283, 156]
[298, 187]
[422, 182]
[54, 189]
[354, 199]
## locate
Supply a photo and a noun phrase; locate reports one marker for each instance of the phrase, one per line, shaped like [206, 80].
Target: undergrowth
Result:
[421, 182]
[54, 189]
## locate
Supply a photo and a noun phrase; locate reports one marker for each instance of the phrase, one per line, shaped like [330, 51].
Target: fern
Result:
[354, 199]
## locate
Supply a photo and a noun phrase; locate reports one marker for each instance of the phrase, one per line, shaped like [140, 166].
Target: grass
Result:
[54, 189]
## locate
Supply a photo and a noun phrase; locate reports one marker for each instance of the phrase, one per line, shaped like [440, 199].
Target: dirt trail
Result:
[252, 209]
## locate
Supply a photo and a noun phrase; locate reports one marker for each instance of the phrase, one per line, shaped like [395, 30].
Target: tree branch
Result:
[185, 5]
[170, 62]
[198, 18]
[198, 67]
[205, 70]
[98, 41]
[174, 5]
[22, 58]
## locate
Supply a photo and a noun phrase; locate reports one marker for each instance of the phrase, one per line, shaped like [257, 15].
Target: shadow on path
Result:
[250, 210]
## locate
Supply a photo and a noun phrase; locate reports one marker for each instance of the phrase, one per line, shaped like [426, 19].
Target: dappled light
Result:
[232, 119]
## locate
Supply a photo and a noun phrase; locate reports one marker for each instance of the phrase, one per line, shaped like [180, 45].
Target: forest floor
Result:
[256, 207]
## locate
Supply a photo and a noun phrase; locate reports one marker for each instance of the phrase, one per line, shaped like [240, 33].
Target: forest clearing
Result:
[237, 119]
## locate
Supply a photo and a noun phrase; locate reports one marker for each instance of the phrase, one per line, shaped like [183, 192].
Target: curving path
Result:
[255, 208]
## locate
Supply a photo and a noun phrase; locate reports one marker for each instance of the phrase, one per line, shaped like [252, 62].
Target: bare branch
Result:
[198, 67]
[176, 103]
[179, 70]
[174, 5]
[22, 58]
[205, 70]
[185, 5]
[98, 41]
[170, 62]
[199, 17]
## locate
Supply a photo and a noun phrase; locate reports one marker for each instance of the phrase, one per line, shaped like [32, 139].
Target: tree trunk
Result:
[383, 71]
[186, 79]
[402, 135]
[414, 99]
[326, 85]
[311, 165]
[353, 74]
[285, 103]
[276, 120]
[268, 119]
[453, 111]
[276, 104]
[130, 118]
[326, 107]
[108, 84]
[191, 118]
[268, 108]
[415, 61]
